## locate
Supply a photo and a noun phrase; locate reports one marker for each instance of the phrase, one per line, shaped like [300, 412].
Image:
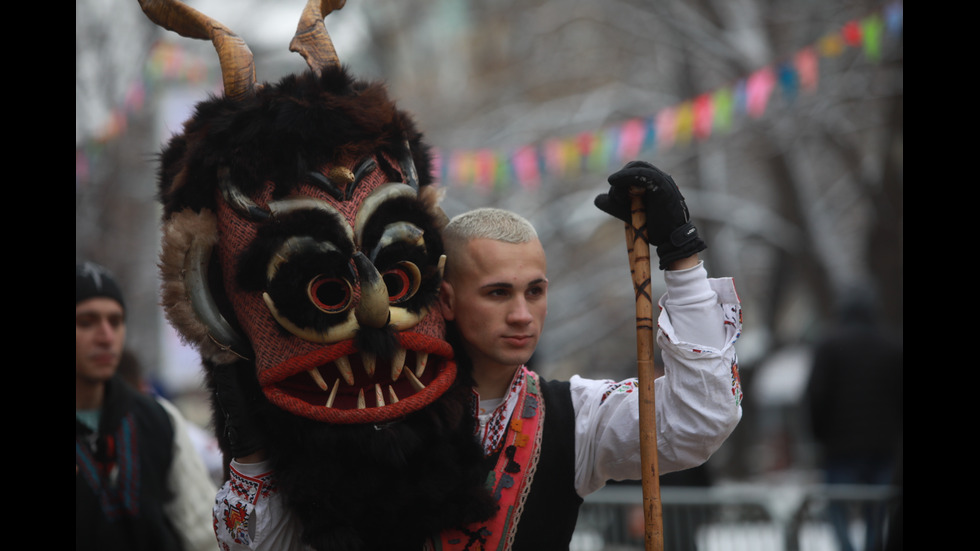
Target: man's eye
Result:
[85, 321]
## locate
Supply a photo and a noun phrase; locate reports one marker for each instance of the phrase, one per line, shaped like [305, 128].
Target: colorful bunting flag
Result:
[806, 64]
[703, 116]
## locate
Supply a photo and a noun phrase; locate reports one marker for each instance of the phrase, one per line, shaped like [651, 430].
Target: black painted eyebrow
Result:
[366, 166]
[326, 184]
[331, 187]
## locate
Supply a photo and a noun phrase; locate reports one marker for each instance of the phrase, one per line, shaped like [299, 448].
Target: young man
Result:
[548, 443]
[139, 483]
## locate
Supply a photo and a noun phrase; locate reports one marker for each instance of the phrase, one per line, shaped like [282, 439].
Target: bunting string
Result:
[529, 165]
[695, 119]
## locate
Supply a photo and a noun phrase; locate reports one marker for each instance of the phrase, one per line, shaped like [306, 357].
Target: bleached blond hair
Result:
[490, 223]
[485, 223]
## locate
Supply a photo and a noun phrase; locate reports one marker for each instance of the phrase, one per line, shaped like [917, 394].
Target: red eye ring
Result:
[330, 294]
[403, 282]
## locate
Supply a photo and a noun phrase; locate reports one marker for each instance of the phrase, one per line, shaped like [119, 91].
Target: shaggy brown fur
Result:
[367, 488]
[282, 133]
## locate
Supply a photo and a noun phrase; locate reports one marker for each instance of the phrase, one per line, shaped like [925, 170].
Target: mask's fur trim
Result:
[179, 233]
[286, 130]
[431, 197]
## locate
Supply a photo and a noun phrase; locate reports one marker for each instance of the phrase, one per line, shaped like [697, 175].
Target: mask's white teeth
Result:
[416, 383]
[333, 394]
[392, 397]
[318, 379]
[369, 360]
[397, 364]
[360, 399]
[343, 365]
[379, 397]
[421, 358]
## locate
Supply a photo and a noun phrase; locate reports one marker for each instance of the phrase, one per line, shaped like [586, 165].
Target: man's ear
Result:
[446, 300]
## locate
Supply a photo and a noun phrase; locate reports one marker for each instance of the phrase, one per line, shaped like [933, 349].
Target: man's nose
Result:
[520, 314]
[106, 330]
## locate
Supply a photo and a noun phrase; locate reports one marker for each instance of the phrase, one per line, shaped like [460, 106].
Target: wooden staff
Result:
[638, 247]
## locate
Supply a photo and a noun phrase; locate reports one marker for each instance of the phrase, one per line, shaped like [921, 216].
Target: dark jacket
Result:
[855, 392]
[121, 482]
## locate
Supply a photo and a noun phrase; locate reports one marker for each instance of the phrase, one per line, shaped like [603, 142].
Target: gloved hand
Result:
[238, 398]
[669, 226]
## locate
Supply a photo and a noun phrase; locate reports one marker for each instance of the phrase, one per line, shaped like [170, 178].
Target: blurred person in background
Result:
[854, 396]
[139, 482]
[204, 441]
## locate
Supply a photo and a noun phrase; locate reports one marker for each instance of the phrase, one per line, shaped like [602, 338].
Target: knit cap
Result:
[93, 280]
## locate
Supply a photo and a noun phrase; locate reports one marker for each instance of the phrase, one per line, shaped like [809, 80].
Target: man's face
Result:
[497, 293]
[100, 332]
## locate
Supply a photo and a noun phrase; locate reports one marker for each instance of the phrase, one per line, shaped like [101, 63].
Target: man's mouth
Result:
[343, 385]
[106, 358]
[519, 340]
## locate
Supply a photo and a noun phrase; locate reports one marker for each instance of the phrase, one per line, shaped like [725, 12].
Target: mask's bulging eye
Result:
[402, 281]
[330, 294]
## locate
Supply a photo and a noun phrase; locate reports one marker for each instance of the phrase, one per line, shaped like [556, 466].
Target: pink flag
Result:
[666, 127]
[807, 68]
[631, 136]
[526, 167]
[758, 89]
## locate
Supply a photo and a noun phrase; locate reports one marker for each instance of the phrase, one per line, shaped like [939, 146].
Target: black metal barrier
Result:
[741, 517]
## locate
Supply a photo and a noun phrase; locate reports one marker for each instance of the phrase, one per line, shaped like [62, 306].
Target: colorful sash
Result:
[113, 473]
[511, 478]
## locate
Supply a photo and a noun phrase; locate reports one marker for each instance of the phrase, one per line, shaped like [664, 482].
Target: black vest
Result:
[552, 505]
[121, 483]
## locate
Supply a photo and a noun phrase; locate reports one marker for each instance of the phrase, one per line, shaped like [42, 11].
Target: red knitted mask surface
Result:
[313, 353]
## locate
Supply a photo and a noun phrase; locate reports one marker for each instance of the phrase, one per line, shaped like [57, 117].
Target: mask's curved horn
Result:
[311, 39]
[237, 63]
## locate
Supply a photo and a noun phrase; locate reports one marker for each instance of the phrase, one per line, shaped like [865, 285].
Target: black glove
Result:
[669, 226]
[239, 398]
